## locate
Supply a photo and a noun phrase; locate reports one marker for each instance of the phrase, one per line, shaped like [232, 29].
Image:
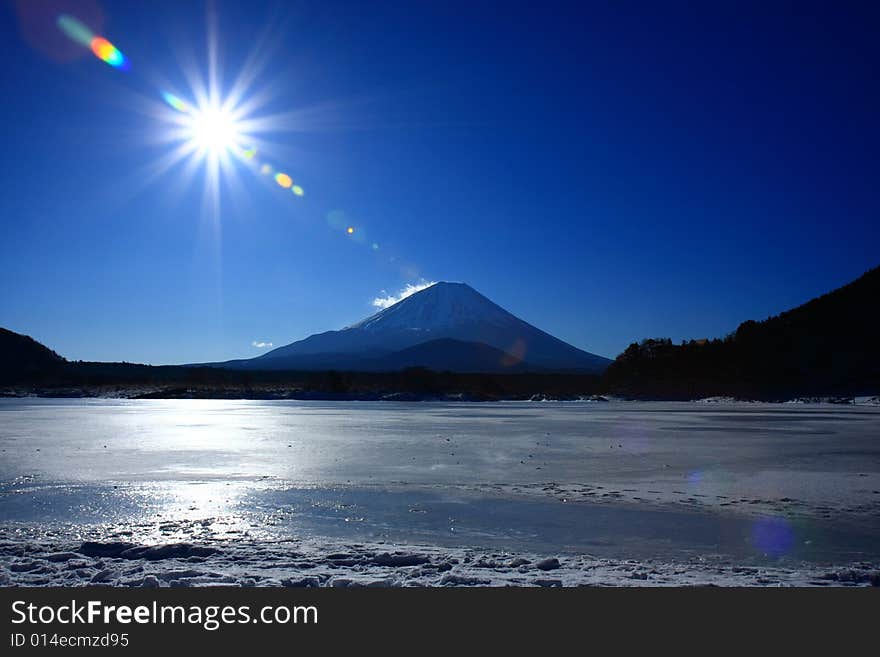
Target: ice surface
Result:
[613, 490]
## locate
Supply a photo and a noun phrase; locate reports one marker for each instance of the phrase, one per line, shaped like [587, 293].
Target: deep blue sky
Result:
[607, 171]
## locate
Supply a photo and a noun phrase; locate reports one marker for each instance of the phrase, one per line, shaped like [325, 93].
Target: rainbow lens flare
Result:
[107, 52]
[103, 49]
[176, 103]
[283, 180]
[297, 190]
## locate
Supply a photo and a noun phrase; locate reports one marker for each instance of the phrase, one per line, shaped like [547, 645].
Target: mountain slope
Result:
[22, 357]
[444, 311]
[446, 354]
[826, 346]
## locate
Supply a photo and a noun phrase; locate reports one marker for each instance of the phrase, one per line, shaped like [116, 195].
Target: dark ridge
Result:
[22, 357]
[827, 346]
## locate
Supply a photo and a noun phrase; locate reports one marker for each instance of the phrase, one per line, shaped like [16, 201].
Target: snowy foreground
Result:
[52, 562]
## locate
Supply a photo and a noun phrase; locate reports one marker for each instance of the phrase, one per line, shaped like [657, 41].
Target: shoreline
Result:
[284, 394]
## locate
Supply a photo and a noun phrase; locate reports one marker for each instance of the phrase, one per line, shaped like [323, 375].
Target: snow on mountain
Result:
[444, 311]
[436, 308]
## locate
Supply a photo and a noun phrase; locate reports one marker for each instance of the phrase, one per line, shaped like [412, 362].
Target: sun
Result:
[218, 130]
[213, 131]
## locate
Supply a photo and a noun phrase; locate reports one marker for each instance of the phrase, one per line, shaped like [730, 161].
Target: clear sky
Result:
[606, 171]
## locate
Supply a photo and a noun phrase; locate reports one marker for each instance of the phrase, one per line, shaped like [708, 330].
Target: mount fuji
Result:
[447, 326]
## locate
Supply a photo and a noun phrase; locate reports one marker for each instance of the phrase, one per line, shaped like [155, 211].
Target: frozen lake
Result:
[739, 483]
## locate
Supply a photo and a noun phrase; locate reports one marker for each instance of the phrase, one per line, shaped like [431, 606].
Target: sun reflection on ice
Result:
[193, 511]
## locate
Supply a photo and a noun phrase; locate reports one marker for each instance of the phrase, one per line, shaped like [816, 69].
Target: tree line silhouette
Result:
[828, 346]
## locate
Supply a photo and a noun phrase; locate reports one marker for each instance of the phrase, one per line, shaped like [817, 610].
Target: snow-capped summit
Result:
[463, 320]
[442, 305]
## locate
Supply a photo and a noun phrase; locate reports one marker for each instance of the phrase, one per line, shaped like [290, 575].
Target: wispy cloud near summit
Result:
[409, 290]
[261, 345]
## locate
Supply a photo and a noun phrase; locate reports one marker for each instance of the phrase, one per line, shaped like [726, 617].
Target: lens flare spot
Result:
[298, 190]
[515, 354]
[375, 247]
[772, 536]
[283, 180]
[107, 52]
[695, 477]
[266, 169]
[249, 153]
[75, 30]
[176, 103]
[350, 230]
[336, 219]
